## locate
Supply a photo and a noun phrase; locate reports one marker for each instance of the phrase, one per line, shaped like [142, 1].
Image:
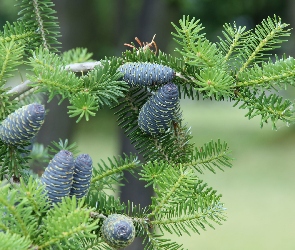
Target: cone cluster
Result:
[66, 176]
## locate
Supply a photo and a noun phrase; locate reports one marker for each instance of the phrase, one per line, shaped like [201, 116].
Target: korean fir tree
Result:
[67, 207]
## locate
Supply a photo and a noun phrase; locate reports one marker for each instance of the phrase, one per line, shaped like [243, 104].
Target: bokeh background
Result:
[259, 190]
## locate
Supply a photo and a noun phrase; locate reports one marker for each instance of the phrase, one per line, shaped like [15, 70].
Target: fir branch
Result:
[84, 104]
[76, 55]
[106, 175]
[152, 170]
[7, 105]
[14, 241]
[56, 147]
[139, 218]
[232, 41]
[173, 186]
[210, 156]
[49, 75]
[154, 241]
[17, 32]
[40, 16]
[196, 49]
[269, 75]
[76, 67]
[82, 67]
[104, 204]
[19, 89]
[266, 36]
[199, 209]
[271, 107]
[11, 55]
[104, 82]
[16, 213]
[94, 244]
[186, 217]
[66, 223]
[12, 161]
[35, 195]
[214, 82]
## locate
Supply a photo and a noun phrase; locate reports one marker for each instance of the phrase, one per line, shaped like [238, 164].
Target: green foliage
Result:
[12, 160]
[266, 37]
[14, 241]
[104, 82]
[239, 68]
[7, 105]
[106, 176]
[76, 55]
[55, 147]
[50, 76]
[11, 54]
[39, 16]
[210, 156]
[66, 223]
[270, 75]
[271, 107]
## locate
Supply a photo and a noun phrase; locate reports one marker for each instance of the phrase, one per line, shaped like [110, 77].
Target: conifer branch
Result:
[155, 241]
[234, 69]
[106, 175]
[269, 75]
[265, 37]
[40, 16]
[11, 55]
[77, 55]
[7, 200]
[40, 23]
[196, 49]
[20, 89]
[112, 172]
[271, 107]
[16, 32]
[74, 67]
[14, 241]
[171, 184]
[67, 222]
[165, 198]
[233, 37]
[211, 155]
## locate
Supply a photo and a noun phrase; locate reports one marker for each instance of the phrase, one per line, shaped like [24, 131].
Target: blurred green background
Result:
[259, 190]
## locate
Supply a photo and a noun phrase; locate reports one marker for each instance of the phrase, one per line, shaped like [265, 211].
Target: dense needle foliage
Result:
[240, 68]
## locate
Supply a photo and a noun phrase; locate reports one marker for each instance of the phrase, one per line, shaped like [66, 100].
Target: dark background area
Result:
[104, 26]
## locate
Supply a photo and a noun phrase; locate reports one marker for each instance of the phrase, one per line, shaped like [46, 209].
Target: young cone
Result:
[82, 175]
[157, 113]
[58, 176]
[146, 74]
[22, 125]
[118, 231]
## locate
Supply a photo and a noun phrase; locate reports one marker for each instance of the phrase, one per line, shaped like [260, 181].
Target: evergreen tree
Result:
[68, 208]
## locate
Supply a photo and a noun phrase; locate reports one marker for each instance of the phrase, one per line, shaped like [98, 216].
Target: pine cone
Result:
[118, 231]
[22, 125]
[146, 74]
[58, 176]
[157, 113]
[82, 175]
